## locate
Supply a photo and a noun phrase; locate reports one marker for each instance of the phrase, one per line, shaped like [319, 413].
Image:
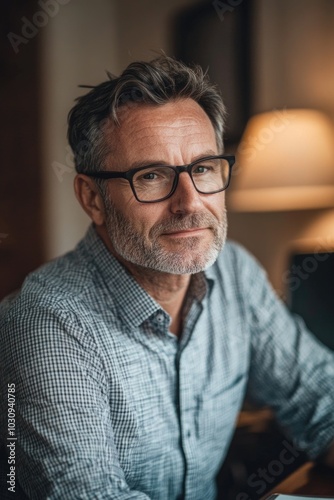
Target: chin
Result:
[179, 264]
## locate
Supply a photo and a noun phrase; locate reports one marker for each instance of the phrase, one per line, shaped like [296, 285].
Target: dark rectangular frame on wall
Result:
[217, 36]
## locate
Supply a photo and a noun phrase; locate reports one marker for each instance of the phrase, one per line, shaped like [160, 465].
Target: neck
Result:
[169, 290]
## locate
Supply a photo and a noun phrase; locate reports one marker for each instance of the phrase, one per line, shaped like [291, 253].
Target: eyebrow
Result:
[151, 163]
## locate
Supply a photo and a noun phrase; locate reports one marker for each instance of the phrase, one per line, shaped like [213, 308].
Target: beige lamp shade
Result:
[285, 161]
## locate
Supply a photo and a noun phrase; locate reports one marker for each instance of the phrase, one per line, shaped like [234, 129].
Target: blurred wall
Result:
[145, 27]
[79, 44]
[293, 54]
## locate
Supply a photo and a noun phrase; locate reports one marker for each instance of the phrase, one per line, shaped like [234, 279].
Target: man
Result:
[130, 355]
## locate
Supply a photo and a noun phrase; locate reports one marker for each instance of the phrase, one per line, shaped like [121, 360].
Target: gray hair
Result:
[157, 82]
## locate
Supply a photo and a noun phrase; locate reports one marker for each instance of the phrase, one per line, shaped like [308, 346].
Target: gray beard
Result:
[187, 258]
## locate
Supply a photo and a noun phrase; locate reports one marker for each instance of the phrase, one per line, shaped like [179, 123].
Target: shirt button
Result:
[160, 318]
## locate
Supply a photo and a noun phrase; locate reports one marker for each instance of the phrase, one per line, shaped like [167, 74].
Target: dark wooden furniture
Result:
[309, 479]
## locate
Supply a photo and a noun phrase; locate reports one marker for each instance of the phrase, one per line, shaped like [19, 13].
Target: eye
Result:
[201, 169]
[150, 176]
[154, 175]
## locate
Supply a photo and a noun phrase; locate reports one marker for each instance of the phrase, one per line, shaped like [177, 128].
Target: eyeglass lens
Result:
[154, 183]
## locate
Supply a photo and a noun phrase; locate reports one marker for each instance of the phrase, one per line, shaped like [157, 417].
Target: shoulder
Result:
[236, 263]
[233, 251]
[238, 275]
[56, 288]
[49, 317]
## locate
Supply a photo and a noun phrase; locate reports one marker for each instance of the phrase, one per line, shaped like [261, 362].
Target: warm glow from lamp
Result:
[285, 161]
[317, 236]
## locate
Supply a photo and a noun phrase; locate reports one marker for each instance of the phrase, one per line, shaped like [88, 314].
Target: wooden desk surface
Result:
[310, 479]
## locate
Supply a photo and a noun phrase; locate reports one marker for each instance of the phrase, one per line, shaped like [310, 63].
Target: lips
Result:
[184, 231]
[187, 225]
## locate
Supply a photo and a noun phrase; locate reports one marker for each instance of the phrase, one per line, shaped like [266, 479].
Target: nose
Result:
[185, 199]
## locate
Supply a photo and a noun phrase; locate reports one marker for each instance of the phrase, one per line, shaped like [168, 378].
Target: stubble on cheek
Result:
[148, 247]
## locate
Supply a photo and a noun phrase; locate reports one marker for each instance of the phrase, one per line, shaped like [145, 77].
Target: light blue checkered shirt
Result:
[111, 405]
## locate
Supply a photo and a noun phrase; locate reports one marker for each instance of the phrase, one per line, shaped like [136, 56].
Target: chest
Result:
[173, 407]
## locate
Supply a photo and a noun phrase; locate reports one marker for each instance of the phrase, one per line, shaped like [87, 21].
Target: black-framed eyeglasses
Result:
[154, 183]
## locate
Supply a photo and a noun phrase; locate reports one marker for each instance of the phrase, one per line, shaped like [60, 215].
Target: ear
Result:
[89, 197]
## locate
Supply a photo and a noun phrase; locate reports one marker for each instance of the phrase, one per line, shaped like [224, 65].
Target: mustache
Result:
[184, 222]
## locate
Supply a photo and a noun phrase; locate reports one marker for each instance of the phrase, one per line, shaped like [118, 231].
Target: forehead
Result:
[155, 132]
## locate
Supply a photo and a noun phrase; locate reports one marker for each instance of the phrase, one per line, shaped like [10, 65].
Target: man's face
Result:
[180, 235]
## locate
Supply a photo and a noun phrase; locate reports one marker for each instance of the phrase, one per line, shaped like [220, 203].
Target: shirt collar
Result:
[134, 302]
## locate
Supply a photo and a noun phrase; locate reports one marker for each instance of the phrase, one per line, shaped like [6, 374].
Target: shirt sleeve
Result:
[290, 370]
[65, 446]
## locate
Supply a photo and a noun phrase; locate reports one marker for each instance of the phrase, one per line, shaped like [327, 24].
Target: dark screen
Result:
[311, 293]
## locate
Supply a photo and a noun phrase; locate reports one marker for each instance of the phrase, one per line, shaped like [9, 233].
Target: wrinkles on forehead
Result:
[156, 131]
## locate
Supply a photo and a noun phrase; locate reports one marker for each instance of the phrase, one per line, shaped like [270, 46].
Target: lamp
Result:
[285, 161]
[317, 235]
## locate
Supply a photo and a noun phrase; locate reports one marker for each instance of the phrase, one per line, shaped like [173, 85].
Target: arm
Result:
[290, 370]
[65, 446]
